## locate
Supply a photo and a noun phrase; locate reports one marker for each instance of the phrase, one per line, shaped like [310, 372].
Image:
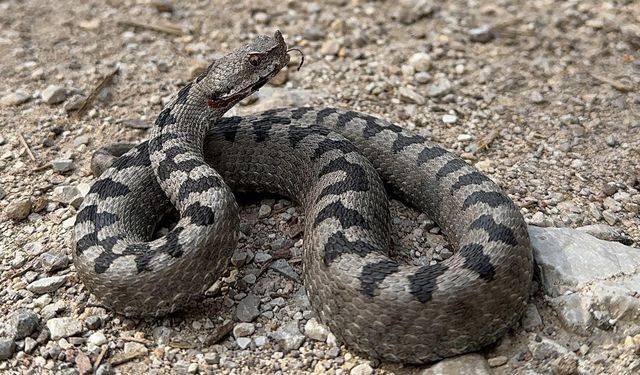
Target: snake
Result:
[338, 165]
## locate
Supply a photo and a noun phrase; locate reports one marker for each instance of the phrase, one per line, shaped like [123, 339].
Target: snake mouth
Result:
[225, 100]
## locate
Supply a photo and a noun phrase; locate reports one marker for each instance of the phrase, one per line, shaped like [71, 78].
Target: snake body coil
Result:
[325, 159]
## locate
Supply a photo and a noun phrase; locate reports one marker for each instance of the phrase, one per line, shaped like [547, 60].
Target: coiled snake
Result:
[371, 302]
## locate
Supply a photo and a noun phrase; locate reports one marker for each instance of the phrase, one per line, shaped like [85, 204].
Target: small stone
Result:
[497, 361]
[18, 209]
[134, 347]
[420, 61]
[239, 258]
[330, 48]
[362, 369]
[316, 330]
[54, 94]
[280, 78]
[283, 267]
[536, 97]
[262, 257]
[212, 358]
[243, 329]
[163, 6]
[565, 365]
[449, 119]
[105, 369]
[482, 34]
[7, 348]
[54, 260]
[243, 342]
[83, 363]
[423, 77]
[81, 140]
[531, 319]
[465, 137]
[288, 336]
[247, 309]
[97, 339]
[409, 96]
[29, 345]
[63, 327]
[264, 211]
[612, 141]
[162, 335]
[62, 165]
[14, 99]
[260, 341]
[24, 323]
[465, 364]
[67, 194]
[47, 284]
[93, 322]
[439, 88]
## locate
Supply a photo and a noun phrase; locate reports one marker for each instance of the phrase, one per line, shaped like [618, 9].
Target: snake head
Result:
[242, 72]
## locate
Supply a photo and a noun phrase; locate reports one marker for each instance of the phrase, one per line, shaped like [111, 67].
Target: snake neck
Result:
[177, 140]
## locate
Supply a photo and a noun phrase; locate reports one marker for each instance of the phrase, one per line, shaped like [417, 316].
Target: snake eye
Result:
[254, 60]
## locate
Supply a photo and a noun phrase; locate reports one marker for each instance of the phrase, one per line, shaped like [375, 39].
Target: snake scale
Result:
[333, 163]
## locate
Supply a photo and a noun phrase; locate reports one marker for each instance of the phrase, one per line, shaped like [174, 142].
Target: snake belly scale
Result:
[333, 162]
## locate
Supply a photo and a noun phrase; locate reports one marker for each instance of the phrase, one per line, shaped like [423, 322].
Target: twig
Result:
[43, 167]
[486, 141]
[220, 333]
[100, 357]
[612, 82]
[26, 147]
[166, 28]
[135, 339]
[106, 81]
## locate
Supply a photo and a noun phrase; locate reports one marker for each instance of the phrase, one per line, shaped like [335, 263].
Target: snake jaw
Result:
[229, 99]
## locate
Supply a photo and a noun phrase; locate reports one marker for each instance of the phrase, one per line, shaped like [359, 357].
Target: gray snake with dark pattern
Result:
[332, 162]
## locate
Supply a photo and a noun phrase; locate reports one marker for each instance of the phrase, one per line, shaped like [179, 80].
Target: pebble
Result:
[54, 94]
[265, 210]
[7, 348]
[93, 322]
[482, 34]
[284, 268]
[536, 97]
[288, 336]
[18, 209]
[97, 339]
[134, 347]
[162, 335]
[420, 61]
[64, 327]
[361, 369]
[67, 194]
[316, 330]
[24, 323]
[29, 345]
[465, 137]
[409, 96]
[449, 119]
[243, 342]
[497, 361]
[423, 77]
[330, 48]
[565, 365]
[62, 165]
[468, 364]
[243, 329]
[262, 257]
[247, 309]
[260, 341]
[14, 99]
[438, 88]
[53, 260]
[47, 284]
[531, 320]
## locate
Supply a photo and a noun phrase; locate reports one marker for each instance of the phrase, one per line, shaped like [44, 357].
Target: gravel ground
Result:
[541, 95]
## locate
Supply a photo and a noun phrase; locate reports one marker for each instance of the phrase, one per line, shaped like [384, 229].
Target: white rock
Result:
[361, 369]
[243, 342]
[54, 94]
[63, 327]
[243, 329]
[315, 330]
[13, 99]
[47, 284]
[420, 61]
[470, 364]
[97, 338]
